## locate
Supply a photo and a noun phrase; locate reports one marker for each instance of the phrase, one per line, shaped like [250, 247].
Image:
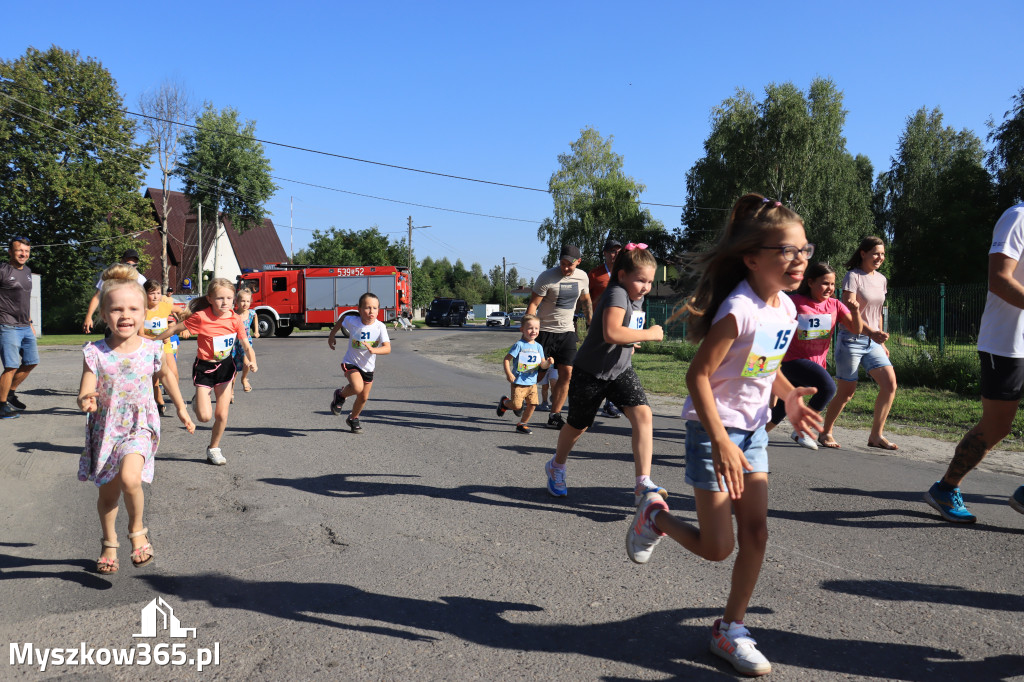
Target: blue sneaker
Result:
[556, 480]
[1017, 499]
[8, 412]
[949, 504]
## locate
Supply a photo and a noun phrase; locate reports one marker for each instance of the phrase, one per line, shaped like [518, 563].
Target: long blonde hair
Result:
[721, 269]
[203, 302]
[117, 276]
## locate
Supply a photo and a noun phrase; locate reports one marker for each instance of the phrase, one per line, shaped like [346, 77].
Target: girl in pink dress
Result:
[123, 430]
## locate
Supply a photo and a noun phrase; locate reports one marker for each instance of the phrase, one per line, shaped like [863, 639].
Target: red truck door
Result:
[282, 293]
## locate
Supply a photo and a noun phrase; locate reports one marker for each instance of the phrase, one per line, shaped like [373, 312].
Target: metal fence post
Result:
[942, 318]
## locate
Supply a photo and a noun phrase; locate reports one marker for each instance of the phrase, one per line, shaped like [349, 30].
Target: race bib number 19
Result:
[637, 319]
[767, 351]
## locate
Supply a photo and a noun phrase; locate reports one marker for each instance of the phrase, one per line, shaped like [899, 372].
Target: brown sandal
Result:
[826, 440]
[146, 549]
[104, 565]
[884, 445]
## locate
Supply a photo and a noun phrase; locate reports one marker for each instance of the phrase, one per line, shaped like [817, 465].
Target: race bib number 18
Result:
[767, 351]
[222, 346]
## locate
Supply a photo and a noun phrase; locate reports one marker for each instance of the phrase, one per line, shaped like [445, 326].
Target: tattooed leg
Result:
[996, 421]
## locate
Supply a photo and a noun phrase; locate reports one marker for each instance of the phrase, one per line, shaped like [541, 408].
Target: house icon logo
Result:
[158, 615]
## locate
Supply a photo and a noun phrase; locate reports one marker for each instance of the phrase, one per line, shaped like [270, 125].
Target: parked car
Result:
[471, 316]
[446, 312]
[498, 319]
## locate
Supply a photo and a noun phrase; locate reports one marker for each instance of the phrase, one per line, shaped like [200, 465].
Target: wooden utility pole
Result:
[504, 282]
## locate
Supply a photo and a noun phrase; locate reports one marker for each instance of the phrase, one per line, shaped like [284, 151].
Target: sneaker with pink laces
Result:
[643, 536]
[732, 641]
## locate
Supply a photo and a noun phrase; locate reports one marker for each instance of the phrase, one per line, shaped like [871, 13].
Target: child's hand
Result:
[853, 305]
[186, 420]
[802, 418]
[87, 402]
[331, 341]
[550, 361]
[184, 334]
[253, 367]
[730, 463]
[656, 332]
[256, 335]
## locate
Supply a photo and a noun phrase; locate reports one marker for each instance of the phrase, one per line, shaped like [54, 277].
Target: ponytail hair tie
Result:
[630, 246]
[775, 204]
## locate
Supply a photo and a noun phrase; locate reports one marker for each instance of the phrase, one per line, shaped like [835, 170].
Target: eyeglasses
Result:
[790, 252]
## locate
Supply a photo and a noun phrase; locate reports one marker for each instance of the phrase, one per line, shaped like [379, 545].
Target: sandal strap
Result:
[138, 551]
[144, 531]
[108, 543]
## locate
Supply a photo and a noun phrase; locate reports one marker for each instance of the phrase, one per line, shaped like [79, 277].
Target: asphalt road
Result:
[426, 548]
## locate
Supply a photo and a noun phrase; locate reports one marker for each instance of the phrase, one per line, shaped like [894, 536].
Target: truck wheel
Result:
[283, 331]
[344, 332]
[266, 325]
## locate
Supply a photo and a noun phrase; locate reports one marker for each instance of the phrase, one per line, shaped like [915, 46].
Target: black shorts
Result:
[587, 392]
[212, 374]
[347, 368]
[1002, 378]
[559, 345]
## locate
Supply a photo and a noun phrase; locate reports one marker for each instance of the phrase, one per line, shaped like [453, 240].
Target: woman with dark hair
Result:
[867, 286]
[804, 365]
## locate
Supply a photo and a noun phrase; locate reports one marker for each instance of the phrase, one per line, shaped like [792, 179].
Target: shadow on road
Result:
[39, 446]
[666, 641]
[899, 590]
[18, 568]
[603, 505]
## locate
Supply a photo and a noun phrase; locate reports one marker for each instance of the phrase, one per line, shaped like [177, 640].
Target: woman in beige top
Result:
[865, 285]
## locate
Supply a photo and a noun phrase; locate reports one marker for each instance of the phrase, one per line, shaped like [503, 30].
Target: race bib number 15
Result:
[767, 350]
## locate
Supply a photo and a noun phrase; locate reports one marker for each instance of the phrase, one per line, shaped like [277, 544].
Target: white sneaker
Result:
[643, 536]
[803, 440]
[213, 456]
[734, 644]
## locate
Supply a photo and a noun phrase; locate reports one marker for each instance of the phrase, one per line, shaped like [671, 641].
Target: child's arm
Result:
[170, 383]
[729, 460]
[803, 418]
[250, 354]
[255, 327]
[382, 349]
[87, 390]
[617, 334]
[509, 359]
[334, 331]
[852, 321]
[171, 331]
[546, 363]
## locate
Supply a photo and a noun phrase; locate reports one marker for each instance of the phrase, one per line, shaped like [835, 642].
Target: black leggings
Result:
[805, 372]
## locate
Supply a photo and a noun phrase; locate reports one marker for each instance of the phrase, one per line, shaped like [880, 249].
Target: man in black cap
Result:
[599, 279]
[553, 300]
[129, 257]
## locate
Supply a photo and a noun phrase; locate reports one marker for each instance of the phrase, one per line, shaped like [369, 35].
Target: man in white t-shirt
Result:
[1001, 351]
[555, 295]
[130, 257]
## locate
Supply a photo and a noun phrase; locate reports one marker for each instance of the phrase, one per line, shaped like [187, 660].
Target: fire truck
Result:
[287, 297]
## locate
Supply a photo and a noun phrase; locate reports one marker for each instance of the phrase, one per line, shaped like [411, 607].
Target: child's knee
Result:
[754, 537]
[718, 549]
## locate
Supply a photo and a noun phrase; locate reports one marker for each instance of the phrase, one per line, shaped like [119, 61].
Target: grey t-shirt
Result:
[596, 356]
[560, 296]
[15, 294]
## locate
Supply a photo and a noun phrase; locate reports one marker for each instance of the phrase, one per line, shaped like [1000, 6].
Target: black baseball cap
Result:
[130, 254]
[22, 239]
[570, 251]
[612, 244]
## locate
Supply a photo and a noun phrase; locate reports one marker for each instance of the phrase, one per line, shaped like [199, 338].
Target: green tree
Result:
[223, 168]
[937, 199]
[70, 173]
[1006, 160]
[353, 248]
[593, 199]
[790, 147]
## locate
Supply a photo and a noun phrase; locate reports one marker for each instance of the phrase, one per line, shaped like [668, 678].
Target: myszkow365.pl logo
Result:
[157, 618]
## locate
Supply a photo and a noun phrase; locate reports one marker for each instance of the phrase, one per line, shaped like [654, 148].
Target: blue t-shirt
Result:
[526, 361]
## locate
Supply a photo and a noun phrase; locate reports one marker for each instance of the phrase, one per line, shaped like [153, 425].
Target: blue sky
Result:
[498, 91]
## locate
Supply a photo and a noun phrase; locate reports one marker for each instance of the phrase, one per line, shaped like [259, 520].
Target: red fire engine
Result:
[286, 297]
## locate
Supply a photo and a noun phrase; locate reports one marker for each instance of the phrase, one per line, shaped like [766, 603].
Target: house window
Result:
[279, 284]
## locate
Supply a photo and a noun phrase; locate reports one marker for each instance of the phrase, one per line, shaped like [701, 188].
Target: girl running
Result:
[738, 313]
[804, 365]
[159, 316]
[369, 338]
[123, 430]
[603, 370]
[242, 302]
[217, 329]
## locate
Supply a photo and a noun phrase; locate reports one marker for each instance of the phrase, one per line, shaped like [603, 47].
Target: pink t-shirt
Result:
[815, 322]
[870, 291]
[742, 383]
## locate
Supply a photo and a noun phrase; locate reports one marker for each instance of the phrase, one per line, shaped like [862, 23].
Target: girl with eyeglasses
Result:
[867, 286]
[744, 325]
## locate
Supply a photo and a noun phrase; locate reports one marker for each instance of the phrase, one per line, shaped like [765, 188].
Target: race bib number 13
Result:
[810, 327]
[768, 349]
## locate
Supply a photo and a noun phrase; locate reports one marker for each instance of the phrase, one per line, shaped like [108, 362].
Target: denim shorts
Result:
[700, 468]
[857, 350]
[17, 346]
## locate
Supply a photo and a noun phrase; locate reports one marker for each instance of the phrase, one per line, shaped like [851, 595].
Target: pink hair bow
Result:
[630, 246]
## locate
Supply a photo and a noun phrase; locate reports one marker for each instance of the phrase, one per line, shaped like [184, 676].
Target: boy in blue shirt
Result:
[523, 363]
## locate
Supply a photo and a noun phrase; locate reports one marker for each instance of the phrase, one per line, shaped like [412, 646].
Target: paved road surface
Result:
[426, 548]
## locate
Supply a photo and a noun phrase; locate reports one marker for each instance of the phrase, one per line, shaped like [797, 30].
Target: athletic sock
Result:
[644, 479]
[945, 487]
[555, 464]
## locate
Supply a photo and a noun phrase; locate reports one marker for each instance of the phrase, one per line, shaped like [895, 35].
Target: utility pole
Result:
[411, 228]
[291, 228]
[199, 257]
[504, 283]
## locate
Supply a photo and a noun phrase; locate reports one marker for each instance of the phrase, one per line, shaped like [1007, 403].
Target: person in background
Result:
[599, 278]
[17, 338]
[129, 257]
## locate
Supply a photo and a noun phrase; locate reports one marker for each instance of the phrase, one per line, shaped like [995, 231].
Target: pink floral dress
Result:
[126, 420]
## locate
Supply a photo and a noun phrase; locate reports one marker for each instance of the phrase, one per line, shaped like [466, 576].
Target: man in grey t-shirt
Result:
[555, 295]
[17, 339]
